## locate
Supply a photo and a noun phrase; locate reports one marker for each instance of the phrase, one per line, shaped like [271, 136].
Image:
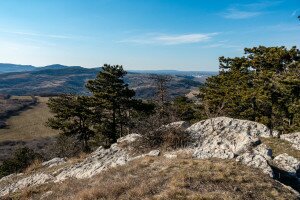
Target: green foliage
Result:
[72, 117]
[262, 86]
[113, 103]
[105, 116]
[185, 109]
[21, 159]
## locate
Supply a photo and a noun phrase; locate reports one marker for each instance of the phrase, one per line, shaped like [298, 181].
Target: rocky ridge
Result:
[220, 137]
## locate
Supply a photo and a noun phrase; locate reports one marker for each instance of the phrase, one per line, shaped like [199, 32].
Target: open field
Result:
[29, 124]
[27, 128]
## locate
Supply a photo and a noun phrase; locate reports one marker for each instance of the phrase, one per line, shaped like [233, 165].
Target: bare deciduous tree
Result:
[161, 84]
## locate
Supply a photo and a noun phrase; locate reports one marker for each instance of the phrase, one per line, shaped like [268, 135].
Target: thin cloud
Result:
[33, 34]
[164, 39]
[246, 11]
[183, 39]
[239, 14]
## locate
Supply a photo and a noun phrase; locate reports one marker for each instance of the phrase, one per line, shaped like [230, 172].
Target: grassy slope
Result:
[29, 124]
[160, 178]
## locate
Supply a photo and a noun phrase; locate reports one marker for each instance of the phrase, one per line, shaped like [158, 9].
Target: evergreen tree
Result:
[262, 86]
[113, 100]
[72, 117]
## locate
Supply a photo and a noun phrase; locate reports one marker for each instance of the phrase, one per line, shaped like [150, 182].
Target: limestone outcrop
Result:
[293, 138]
[288, 164]
[99, 160]
[229, 138]
[220, 137]
[54, 162]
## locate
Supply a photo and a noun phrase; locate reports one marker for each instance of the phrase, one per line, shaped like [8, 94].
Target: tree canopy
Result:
[107, 114]
[262, 86]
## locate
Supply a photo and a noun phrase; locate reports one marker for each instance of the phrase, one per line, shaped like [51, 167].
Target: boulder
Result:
[258, 158]
[288, 163]
[224, 137]
[229, 124]
[293, 138]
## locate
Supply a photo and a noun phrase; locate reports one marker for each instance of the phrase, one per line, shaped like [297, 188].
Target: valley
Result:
[27, 128]
[58, 79]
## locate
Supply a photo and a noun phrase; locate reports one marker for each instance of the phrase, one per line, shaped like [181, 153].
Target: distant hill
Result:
[54, 66]
[58, 79]
[5, 68]
[176, 72]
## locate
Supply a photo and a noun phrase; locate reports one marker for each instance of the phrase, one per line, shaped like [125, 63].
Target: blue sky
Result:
[142, 34]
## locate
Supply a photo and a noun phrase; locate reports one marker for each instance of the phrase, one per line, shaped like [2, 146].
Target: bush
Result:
[22, 158]
[157, 135]
[165, 138]
[65, 146]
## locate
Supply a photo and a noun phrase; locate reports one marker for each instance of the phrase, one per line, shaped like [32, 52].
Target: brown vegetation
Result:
[279, 146]
[29, 124]
[159, 178]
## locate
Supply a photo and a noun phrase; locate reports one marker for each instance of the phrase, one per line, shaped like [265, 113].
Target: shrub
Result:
[165, 138]
[65, 146]
[22, 158]
[155, 132]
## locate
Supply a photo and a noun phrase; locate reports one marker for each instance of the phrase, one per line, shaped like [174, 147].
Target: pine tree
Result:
[113, 100]
[72, 116]
[261, 86]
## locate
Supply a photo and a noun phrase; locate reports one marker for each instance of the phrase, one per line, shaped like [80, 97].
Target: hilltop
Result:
[225, 159]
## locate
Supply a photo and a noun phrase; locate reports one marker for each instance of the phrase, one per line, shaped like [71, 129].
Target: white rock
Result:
[258, 158]
[264, 151]
[153, 153]
[224, 137]
[33, 180]
[170, 155]
[220, 137]
[102, 159]
[293, 138]
[287, 163]
[129, 138]
[237, 125]
[54, 162]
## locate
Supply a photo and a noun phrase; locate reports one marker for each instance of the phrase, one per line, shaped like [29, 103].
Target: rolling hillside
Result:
[57, 79]
[6, 68]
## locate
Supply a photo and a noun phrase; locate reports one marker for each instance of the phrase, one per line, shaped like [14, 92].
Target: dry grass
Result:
[279, 146]
[29, 124]
[21, 97]
[159, 178]
[37, 164]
